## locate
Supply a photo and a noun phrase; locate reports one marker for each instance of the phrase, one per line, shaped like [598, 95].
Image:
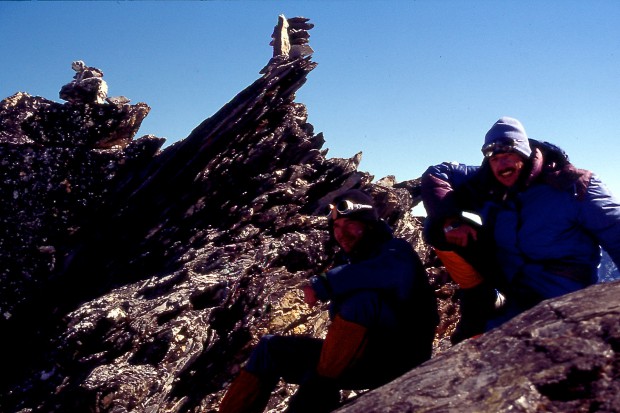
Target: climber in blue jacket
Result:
[383, 315]
[543, 222]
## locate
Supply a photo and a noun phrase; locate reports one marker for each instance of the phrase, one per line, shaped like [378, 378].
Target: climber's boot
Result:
[246, 394]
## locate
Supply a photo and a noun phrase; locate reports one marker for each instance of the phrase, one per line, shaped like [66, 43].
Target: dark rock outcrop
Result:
[561, 356]
[136, 278]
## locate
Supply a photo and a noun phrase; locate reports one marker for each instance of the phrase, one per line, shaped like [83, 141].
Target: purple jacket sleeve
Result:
[437, 185]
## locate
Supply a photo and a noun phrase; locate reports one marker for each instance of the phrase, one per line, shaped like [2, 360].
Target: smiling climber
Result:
[543, 223]
[383, 317]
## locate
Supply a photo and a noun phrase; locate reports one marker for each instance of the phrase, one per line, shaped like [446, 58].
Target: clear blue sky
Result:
[408, 83]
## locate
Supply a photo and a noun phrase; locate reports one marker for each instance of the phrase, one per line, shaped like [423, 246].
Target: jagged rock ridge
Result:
[137, 278]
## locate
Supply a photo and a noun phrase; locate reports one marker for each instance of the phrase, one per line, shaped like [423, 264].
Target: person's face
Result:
[506, 167]
[348, 233]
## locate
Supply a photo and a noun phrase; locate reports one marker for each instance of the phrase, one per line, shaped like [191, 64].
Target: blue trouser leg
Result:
[294, 359]
[290, 358]
[321, 394]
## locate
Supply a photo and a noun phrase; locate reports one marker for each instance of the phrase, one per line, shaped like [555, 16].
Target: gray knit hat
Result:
[506, 135]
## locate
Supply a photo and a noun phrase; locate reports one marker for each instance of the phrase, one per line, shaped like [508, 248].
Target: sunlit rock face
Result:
[136, 278]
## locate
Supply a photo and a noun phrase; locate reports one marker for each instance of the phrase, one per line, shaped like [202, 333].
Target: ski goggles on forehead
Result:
[345, 207]
[499, 146]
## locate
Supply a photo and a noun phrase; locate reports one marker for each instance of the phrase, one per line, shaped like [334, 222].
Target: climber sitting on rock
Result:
[383, 318]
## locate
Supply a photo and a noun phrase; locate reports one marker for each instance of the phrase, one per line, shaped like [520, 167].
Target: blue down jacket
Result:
[391, 295]
[547, 234]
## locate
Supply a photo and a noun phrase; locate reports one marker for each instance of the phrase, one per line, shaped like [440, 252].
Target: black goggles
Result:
[345, 207]
[499, 146]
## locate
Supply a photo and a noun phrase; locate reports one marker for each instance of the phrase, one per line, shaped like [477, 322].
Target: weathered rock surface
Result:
[561, 356]
[136, 278]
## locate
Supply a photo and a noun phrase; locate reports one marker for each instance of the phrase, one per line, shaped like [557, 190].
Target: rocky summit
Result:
[137, 277]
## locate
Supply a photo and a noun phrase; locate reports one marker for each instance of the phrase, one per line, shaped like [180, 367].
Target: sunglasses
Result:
[345, 207]
[500, 146]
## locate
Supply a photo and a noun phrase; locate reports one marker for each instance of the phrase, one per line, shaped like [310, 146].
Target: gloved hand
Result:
[460, 235]
[310, 297]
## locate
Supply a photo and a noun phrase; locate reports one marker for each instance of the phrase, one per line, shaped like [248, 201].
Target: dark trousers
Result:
[294, 359]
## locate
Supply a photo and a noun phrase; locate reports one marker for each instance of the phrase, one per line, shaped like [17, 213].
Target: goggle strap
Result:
[346, 207]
